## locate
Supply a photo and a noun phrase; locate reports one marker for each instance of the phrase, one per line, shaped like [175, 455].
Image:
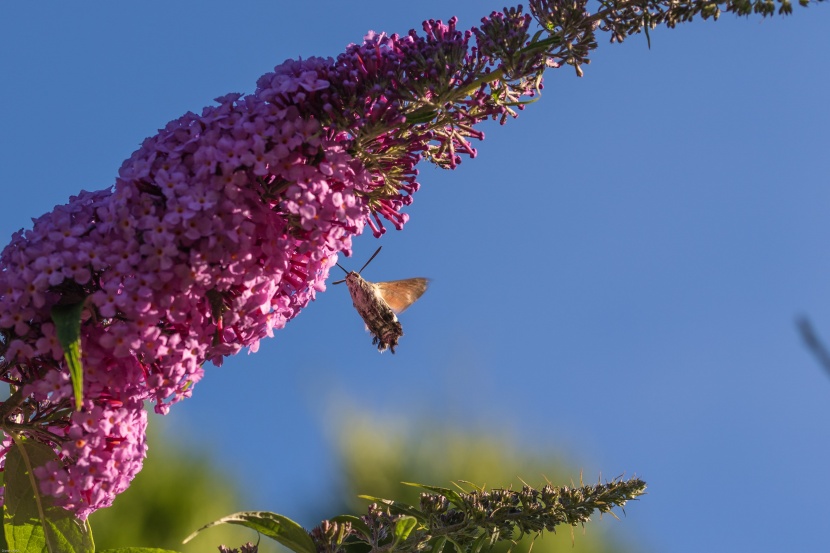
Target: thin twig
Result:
[814, 343]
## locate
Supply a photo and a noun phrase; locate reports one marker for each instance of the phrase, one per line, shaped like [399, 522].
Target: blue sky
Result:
[616, 275]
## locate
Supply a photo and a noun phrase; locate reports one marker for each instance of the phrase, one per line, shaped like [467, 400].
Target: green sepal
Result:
[397, 508]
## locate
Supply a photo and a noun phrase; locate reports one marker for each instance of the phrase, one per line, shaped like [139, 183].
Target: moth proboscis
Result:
[377, 303]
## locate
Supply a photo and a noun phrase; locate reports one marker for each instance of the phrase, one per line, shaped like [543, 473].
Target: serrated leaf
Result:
[271, 525]
[403, 527]
[67, 319]
[397, 508]
[31, 523]
[357, 524]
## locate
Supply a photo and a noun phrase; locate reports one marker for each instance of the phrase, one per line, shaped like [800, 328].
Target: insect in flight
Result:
[378, 302]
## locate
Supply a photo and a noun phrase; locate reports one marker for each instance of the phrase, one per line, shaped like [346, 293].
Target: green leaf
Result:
[67, 319]
[357, 524]
[138, 550]
[422, 115]
[456, 546]
[451, 495]
[397, 508]
[437, 544]
[271, 525]
[403, 527]
[31, 523]
[478, 544]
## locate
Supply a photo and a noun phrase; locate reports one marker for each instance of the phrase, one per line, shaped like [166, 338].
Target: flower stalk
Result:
[471, 521]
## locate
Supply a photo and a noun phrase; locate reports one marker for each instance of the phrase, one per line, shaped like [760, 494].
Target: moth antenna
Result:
[341, 268]
[370, 260]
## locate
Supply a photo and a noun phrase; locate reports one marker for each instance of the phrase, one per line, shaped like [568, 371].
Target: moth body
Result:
[378, 302]
[380, 320]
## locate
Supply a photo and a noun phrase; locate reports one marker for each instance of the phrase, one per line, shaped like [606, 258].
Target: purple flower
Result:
[220, 229]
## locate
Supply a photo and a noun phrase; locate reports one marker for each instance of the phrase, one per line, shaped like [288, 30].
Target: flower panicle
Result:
[465, 518]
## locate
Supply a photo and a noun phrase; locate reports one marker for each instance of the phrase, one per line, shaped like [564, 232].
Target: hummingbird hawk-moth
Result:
[378, 302]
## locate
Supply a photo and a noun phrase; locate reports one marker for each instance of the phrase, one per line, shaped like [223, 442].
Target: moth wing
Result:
[400, 294]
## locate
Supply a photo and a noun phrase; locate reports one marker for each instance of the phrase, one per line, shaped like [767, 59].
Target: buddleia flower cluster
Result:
[219, 229]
